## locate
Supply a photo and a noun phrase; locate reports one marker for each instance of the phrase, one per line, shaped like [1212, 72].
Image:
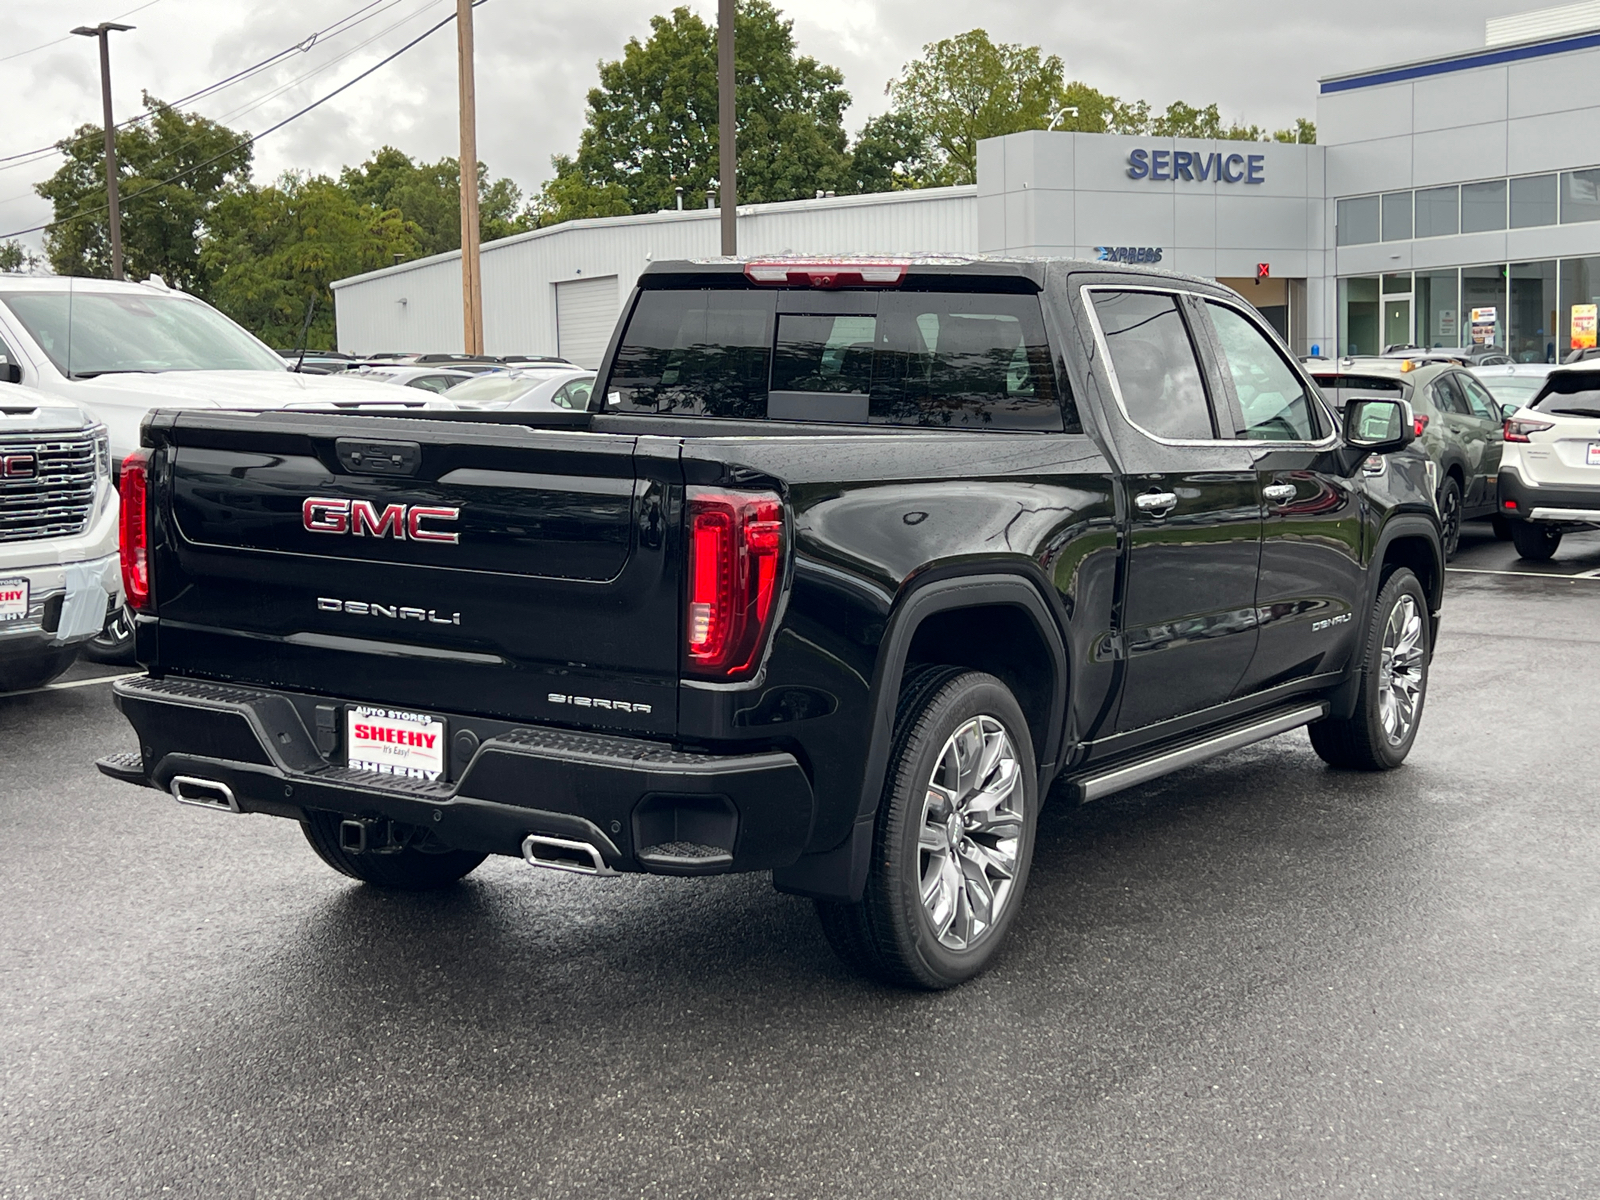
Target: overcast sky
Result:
[1259, 59]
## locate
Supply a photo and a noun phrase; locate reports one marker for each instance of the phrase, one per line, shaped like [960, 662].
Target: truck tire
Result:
[953, 840]
[1394, 684]
[22, 672]
[410, 869]
[1534, 542]
[1450, 515]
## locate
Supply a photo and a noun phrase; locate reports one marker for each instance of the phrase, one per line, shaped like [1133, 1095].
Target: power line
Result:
[59, 40]
[94, 212]
[348, 22]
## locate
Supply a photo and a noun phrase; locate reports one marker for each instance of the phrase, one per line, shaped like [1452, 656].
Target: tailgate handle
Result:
[362, 457]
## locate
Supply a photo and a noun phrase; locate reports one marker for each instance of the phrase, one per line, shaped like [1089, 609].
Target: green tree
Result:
[967, 88]
[429, 195]
[17, 258]
[651, 125]
[272, 250]
[162, 223]
[891, 155]
[1183, 120]
[1304, 133]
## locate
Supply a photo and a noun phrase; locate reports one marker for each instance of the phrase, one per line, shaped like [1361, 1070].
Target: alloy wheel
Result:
[969, 836]
[1400, 670]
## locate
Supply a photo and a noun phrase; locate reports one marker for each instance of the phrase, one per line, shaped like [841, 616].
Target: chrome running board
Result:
[1093, 787]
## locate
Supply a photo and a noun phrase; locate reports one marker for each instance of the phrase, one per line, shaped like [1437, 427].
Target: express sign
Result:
[1196, 168]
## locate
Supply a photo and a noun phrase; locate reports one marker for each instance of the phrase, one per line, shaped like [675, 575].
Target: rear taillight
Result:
[1517, 429]
[136, 530]
[735, 558]
[1418, 424]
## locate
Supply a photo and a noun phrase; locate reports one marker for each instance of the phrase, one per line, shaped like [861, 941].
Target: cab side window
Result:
[1478, 399]
[7, 362]
[1277, 405]
[1157, 372]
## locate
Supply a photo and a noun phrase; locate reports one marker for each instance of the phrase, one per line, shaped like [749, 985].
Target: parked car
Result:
[1550, 475]
[1458, 425]
[837, 592]
[116, 350]
[428, 379]
[473, 364]
[317, 362]
[1513, 384]
[520, 360]
[60, 577]
[529, 389]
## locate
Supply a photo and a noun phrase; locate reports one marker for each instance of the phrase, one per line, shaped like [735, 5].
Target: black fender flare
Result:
[841, 873]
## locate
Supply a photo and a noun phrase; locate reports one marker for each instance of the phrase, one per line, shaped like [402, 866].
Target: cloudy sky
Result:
[1258, 58]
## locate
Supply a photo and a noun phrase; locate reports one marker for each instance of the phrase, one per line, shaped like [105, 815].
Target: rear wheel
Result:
[412, 860]
[1394, 684]
[1450, 515]
[1534, 541]
[954, 836]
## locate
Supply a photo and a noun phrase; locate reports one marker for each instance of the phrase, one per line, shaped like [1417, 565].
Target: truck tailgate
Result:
[425, 565]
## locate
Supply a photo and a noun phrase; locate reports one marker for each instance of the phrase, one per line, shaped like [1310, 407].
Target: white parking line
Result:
[76, 683]
[1595, 574]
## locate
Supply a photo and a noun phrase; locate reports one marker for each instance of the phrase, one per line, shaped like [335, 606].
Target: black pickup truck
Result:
[853, 563]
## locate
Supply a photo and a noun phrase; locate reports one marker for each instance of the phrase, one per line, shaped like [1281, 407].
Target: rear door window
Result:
[1157, 372]
[1447, 396]
[946, 360]
[1478, 399]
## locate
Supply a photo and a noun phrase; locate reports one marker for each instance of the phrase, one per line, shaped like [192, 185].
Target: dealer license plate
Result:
[13, 600]
[1593, 458]
[393, 741]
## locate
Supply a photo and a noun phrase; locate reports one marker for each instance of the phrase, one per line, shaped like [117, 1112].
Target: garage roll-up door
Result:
[586, 311]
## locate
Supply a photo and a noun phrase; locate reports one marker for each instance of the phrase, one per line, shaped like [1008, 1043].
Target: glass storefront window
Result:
[1438, 304]
[1580, 196]
[1397, 217]
[1438, 212]
[1533, 312]
[1483, 306]
[1579, 305]
[1483, 206]
[1533, 201]
[1358, 316]
[1397, 285]
[1356, 221]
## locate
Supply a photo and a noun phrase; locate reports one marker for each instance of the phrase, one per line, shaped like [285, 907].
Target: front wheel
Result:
[1394, 684]
[1534, 541]
[954, 836]
[114, 643]
[411, 860]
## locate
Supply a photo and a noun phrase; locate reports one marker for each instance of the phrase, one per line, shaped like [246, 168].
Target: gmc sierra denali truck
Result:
[852, 563]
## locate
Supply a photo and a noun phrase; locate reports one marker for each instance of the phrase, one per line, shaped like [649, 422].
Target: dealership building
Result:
[1450, 200]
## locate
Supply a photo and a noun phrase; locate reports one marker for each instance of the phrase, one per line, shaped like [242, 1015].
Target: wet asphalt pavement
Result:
[1258, 978]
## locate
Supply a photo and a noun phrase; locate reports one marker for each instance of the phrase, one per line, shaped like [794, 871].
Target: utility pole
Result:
[101, 31]
[726, 128]
[471, 280]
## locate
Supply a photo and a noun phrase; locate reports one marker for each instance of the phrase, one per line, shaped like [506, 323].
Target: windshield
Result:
[93, 333]
[496, 390]
[1571, 395]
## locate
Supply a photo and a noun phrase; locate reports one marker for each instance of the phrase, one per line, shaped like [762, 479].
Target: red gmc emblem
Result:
[18, 466]
[361, 518]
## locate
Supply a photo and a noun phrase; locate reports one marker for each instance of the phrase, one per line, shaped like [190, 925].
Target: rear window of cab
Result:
[925, 359]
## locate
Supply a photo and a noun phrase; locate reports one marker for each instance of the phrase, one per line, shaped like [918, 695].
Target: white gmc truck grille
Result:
[56, 498]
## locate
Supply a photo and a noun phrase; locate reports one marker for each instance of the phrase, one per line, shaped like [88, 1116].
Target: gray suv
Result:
[1459, 427]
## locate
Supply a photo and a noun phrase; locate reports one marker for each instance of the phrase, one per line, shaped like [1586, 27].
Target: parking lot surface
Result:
[1258, 978]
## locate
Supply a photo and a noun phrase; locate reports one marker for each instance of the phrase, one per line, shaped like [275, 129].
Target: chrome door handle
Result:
[1279, 493]
[1156, 504]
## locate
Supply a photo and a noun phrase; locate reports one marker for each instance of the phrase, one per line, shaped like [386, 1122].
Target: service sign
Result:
[13, 600]
[393, 742]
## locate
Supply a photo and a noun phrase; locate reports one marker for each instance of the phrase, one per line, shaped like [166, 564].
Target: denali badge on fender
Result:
[334, 514]
[392, 612]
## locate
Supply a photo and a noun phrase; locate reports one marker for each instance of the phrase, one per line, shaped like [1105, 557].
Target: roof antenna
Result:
[305, 330]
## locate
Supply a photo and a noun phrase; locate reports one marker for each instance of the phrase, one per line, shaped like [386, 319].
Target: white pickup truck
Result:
[116, 350]
[59, 572]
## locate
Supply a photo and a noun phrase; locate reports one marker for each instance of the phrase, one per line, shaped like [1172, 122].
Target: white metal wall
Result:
[586, 310]
[417, 305]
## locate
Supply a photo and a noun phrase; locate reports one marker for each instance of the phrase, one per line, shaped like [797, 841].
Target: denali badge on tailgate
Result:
[361, 518]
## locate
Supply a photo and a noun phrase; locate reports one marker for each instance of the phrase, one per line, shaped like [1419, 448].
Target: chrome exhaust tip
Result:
[203, 793]
[564, 854]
